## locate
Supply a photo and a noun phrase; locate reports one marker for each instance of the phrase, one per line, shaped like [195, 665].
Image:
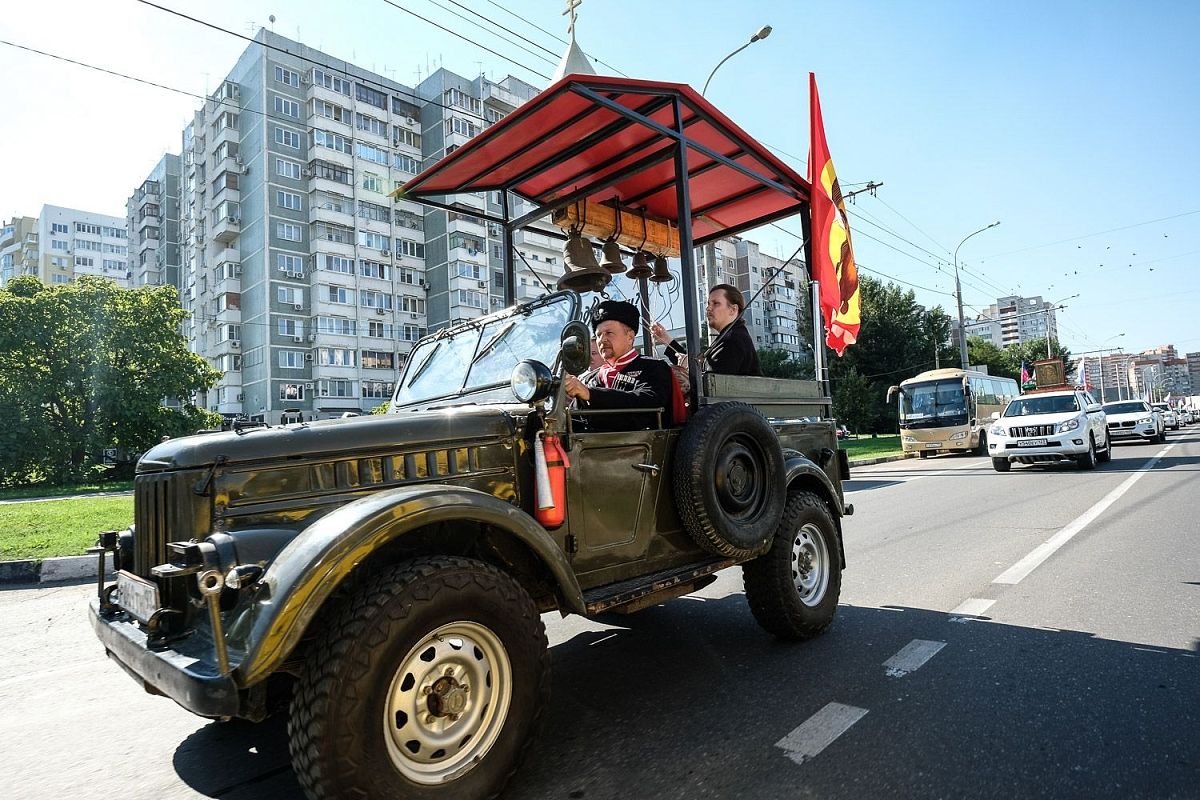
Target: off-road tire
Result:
[1104, 456]
[806, 533]
[981, 448]
[1001, 464]
[923, 454]
[340, 731]
[729, 479]
[1088, 459]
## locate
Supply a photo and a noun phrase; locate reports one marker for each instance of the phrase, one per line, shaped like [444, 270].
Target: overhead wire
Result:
[556, 37]
[1097, 233]
[490, 32]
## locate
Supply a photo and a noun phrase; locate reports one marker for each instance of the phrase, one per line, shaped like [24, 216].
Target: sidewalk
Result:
[125, 493]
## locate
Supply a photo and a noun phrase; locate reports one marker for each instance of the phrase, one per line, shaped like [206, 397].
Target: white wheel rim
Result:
[810, 564]
[447, 702]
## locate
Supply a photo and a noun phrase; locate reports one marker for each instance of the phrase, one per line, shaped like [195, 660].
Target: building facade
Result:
[1015, 320]
[18, 248]
[152, 218]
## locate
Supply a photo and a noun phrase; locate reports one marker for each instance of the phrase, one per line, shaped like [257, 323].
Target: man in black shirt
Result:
[626, 379]
[732, 352]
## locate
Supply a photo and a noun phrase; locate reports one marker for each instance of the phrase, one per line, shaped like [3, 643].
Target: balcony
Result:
[227, 223]
[465, 223]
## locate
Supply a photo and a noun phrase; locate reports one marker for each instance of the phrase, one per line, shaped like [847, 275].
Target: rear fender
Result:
[308, 570]
[803, 474]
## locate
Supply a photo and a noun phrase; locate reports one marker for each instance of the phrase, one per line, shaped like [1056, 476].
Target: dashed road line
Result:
[970, 609]
[1017, 572]
[912, 657]
[819, 731]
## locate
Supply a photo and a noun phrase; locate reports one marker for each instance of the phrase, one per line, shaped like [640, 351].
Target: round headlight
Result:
[531, 381]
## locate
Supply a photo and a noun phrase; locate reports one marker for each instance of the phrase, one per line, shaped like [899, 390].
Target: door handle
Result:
[653, 469]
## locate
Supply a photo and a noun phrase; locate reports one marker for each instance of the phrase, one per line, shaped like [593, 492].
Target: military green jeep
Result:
[385, 575]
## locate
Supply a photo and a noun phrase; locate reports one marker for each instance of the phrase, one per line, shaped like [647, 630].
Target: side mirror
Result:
[892, 392]
[576, 351]
[995, 416]
[966, 382]
[1094, 407]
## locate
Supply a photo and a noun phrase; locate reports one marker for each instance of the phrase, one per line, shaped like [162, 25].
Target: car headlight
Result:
[959, 435]
[997, 430]
[1069, 425]
[910, 439]
[1145, 420]
[531, 381]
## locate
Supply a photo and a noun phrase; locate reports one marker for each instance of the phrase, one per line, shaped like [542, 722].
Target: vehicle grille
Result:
[163, 507]
[1121, 424]
[1033, 430]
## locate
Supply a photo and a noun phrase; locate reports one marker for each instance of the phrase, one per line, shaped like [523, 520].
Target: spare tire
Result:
[729, 480]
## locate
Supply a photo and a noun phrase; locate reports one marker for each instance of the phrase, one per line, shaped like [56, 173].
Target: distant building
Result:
[152, 214]
[61, 244]
[1015, 320]
[18, 248]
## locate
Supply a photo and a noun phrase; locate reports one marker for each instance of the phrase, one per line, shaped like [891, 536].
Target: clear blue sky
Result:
[1068, 121]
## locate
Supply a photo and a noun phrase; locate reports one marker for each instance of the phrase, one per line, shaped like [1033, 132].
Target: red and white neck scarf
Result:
[608, 373]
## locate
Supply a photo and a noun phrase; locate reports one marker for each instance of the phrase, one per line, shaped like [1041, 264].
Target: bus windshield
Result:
[933, 400]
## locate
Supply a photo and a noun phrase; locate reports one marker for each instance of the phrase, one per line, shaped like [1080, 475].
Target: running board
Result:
[647, 590]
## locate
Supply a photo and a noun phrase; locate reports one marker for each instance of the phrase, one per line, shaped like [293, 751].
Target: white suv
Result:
[1047, 427]
[1170, 418]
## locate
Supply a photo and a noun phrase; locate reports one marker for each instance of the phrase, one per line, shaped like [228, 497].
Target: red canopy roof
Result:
[575, 138]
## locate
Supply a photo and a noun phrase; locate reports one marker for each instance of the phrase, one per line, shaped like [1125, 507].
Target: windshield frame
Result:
[1110, 408]
[934, 387]
[419, 361]
[1019, 402]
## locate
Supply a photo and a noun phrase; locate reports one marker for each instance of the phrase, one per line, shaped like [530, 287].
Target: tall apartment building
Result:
[1193, 368]
[1015, 320]
[152, 214]
[18, 248]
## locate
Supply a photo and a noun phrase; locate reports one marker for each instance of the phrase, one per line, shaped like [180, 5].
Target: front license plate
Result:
[1031, 443]
[1121, 433]
[137, 596]
[933, 445]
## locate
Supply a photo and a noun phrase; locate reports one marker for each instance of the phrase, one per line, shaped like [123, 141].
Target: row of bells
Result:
[583, 273]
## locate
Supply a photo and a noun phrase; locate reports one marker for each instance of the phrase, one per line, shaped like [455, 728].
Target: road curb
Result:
[49, 570]
[866, 462]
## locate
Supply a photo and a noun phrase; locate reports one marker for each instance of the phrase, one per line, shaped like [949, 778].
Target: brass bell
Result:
[612, 257]
[581, 272]
[640, 269]
[662, 273]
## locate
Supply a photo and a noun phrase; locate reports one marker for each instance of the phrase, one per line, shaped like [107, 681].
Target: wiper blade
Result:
[496, 340]
[424, 364]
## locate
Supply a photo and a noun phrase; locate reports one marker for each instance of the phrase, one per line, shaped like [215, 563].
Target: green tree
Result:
[853, 399]
[982, 353]
[776, 362]
[86, 366]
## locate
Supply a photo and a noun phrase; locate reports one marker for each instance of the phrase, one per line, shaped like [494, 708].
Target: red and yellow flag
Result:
[833, 256]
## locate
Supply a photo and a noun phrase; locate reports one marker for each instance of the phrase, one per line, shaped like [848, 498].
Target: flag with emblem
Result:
[833, 257]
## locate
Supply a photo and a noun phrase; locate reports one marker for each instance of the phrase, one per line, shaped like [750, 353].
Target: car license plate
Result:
[1121, 432]
[137, 596]
[933, 445]
[1031, 443]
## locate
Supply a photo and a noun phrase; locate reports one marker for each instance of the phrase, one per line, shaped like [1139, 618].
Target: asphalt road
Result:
[1029, 634]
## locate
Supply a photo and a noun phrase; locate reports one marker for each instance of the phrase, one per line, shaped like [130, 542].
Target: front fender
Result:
[311, 566]
[798, 466]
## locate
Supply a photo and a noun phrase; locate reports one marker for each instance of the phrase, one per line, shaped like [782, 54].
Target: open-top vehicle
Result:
[385, 574]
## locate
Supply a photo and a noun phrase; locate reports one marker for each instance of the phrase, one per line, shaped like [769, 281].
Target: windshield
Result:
[1160, 406]
[933, 400]
[1030, 405]
[481, 355]
[1125, 408]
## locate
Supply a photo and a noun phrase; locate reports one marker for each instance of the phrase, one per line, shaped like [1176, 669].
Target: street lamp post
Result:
[962, 327]
[762, 33]
[1050, 307]
[1115, 374]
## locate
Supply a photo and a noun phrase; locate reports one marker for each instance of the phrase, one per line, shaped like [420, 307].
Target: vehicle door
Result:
[1097, 420]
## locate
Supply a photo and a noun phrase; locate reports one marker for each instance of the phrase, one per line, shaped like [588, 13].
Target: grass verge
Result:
[59, 527]
[866, 447]
[23, 492]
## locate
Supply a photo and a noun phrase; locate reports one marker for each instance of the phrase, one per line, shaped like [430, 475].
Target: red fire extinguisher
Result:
[550, 463]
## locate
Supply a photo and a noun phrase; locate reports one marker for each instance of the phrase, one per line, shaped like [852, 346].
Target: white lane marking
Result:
[1029, 563]
[970, 609]
[912, 657]
[819, 731]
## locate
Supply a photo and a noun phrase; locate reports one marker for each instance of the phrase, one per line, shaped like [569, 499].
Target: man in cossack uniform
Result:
[626, 379]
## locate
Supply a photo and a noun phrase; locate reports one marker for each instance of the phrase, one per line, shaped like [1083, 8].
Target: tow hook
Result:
[106, 541]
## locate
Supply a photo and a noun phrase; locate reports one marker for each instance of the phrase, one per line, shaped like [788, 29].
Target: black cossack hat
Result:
[619, 310]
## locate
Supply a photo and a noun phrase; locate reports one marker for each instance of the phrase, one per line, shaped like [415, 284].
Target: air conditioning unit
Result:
[306, 172]
[424, 285]
[240, 397]
[235, 220]
[245, 169]
[298, 306]
[483, 284]
[297, 339]
[385, 253]
[412, 314]
[237, 160]
[305, 80]
[308, 356]
[235, 343]
[410, 121]
[312, 337]
[380, 311]
[308, 386]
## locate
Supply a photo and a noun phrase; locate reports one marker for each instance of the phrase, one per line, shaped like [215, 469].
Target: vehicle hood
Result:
[1128, 417]
[1037, 419]
[353, 436]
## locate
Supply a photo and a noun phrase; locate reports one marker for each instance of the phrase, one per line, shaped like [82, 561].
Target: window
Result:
[113, 264]
[84, 261]
[289, 295]
[405, 137]
[369, 298]
[471, 244]
[288, 200]
[287, 138]
[465, 269]
[453, 97]
[289, 263]
[334, 263]
[410, 248]
[334, 202]
[414, 305]
[287, 169]
[375, 240]
[380, 330]
[376, 155]
[330, 111]
[286, 76]
[339, 326]
[231, 362]
[407, 219]
[461, 126]
[289, 232]
[322, 78]
[370, 96]
[406, 163]
[371, 125]
[59, 244]
[55, 261]
[411, 333]
[372, 182]
[471, 299]
[340, 295]
[290, 327]
[60, 278]
[291, 359]
[332, 232]
[335, 357]
[373, 211]
[331, 140]
[231, 332]
[289, 108]
[411, 277]
[378, 359]
[335, 388]
[291, 391]
[374, 269]
[380, 390]
[58, 227]
[84, 227]
[332, 172]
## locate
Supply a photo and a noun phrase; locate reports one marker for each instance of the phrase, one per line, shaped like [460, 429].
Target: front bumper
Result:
[187, 679]
[1061, 445]
[1147, 432]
